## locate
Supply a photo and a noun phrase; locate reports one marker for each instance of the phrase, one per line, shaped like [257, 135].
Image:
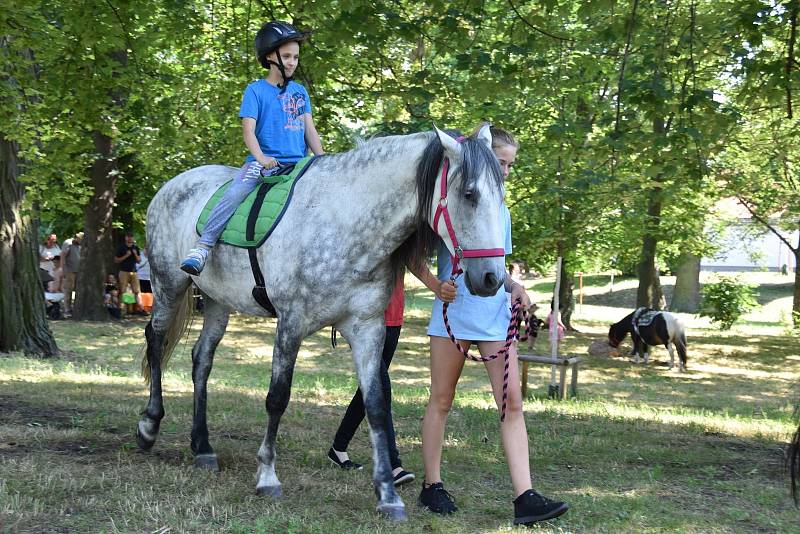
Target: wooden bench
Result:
[563, 363]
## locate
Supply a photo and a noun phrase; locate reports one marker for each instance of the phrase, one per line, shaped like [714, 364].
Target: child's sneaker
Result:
[195, 261]
[436, 499]
[531, 507]
[403, 477]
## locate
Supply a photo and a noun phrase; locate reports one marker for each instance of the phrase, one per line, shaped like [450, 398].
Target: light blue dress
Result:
[472, 318]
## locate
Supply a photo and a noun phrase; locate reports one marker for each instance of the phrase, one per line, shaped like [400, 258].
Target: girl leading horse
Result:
[354, 220]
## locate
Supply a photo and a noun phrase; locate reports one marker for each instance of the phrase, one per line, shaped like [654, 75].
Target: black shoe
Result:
[347, 464]
[531, 507]
[436, 499]
[403, 477]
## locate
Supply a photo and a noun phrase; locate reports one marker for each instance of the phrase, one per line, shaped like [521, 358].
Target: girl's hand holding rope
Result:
[518, 293]
[446, 292]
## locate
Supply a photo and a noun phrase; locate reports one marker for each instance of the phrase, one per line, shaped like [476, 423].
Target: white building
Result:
[747, 246]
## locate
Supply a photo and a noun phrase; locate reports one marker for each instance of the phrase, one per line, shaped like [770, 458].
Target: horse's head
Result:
[466, 209]
[616, 333]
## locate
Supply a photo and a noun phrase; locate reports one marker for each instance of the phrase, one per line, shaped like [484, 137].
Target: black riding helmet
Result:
[269, 38]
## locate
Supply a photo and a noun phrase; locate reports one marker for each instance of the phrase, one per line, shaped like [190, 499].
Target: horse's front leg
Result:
[366, 339]
[646, 352]
[215, 321]
[637, 348]
[284, 356]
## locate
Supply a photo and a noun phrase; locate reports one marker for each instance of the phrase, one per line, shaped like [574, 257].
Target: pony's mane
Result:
[476, 160]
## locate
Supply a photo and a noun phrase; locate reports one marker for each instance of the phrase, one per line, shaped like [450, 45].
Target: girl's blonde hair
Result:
[500, 137]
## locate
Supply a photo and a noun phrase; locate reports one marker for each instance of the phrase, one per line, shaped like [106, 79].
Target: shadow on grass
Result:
[597, 462]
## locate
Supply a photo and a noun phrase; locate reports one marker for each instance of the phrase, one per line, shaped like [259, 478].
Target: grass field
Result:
[641, 449]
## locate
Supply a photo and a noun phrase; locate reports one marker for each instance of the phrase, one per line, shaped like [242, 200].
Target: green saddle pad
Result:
[275, 192]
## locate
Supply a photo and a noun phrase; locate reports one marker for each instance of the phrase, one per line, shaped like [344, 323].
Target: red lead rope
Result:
[511, 334]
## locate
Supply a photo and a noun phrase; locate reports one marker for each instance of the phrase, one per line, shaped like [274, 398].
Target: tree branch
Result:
[765, 222]
[534, 28]
[790, 57]
[127, 35]
[621, 78]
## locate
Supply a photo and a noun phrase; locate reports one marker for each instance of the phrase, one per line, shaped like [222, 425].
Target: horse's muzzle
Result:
[484, 276]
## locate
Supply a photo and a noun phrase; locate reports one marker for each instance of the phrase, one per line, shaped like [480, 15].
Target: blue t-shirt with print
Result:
[280, 127]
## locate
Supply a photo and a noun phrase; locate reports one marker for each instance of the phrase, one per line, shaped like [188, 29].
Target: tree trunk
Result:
[97, 246]
[686, 297]
[23, 322]
[796, 299]
[566, 299]
[649, 293]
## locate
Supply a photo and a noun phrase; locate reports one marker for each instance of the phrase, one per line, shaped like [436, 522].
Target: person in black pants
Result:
[355, 414]
[393, 316]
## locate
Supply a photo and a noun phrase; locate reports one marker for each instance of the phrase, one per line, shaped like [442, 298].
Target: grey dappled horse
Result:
[354, 220]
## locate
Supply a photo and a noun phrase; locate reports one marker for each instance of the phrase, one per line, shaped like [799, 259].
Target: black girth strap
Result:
[259, 291]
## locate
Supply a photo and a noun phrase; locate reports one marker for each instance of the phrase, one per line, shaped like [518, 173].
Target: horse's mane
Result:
[476, 159]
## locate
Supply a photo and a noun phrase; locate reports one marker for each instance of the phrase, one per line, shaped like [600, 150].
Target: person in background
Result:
[53, 295]
[47, 251]
[143, 273]
[70, 263]
[55, 285]
[550, 319]
[128, 255]
[111, 297]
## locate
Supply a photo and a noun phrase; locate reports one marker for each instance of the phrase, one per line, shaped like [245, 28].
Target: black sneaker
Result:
[347, 465]
[531, 507]
[403, 477]
[436, 499]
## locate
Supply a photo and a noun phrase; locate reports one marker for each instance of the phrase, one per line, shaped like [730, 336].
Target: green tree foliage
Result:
[634, 117]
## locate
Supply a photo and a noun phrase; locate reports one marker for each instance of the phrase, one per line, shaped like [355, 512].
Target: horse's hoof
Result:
[207, 461]
[393, 512]
[144, 440]
[274, 492]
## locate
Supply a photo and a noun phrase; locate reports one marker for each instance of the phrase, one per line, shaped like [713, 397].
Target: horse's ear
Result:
[485, 134]
[452, 148]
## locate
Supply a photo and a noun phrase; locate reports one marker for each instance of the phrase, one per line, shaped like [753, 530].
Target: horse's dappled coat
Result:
[354, 219]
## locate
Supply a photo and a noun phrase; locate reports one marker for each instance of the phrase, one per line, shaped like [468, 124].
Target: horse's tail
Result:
[793, 459]
[177, 327]
[677, 334]
[681, 344]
